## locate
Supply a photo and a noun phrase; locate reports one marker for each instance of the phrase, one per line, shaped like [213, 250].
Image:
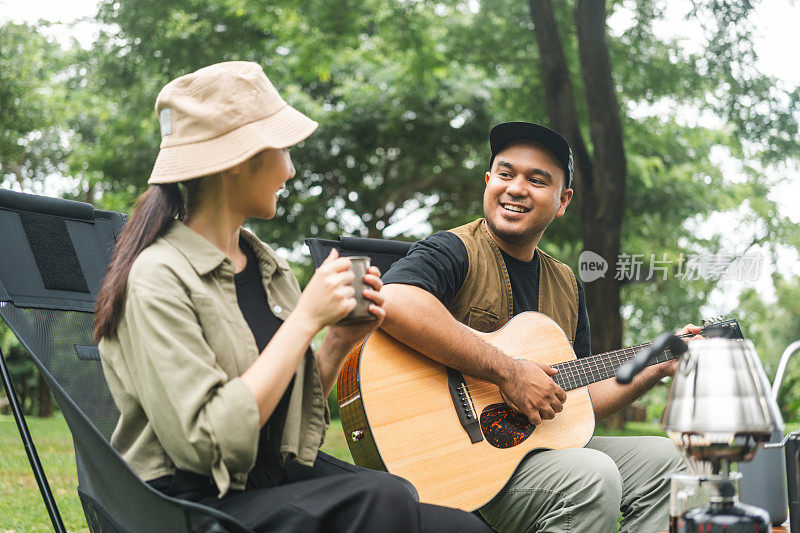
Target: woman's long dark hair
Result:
[155, 211]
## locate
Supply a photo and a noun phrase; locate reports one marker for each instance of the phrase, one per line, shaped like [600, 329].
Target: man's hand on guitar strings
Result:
[531, 390]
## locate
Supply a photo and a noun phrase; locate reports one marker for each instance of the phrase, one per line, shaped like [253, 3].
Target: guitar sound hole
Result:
[503, 427]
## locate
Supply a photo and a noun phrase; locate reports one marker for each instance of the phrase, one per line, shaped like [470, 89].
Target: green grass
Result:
[632, 429]
[21, 507]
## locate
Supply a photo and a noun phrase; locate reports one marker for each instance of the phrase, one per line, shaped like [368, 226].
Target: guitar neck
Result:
[581, 372]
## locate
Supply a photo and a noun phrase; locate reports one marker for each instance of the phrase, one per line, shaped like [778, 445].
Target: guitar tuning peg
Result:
[703, 322]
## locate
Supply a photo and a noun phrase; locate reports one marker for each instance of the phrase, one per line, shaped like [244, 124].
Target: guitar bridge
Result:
[465, 408]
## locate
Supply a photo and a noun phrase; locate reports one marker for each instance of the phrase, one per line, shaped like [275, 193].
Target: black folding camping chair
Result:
[382, 252]
[53, 257]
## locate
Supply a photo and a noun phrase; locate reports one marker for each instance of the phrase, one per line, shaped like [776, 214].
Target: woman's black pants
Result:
[334, 496]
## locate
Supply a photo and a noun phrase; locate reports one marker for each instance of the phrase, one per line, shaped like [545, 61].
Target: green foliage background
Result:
[405, 93]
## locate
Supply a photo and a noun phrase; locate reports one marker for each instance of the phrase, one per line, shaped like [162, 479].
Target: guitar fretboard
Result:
[586, 370]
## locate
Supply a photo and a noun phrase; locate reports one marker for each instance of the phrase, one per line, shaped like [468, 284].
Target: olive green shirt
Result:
[173, 365]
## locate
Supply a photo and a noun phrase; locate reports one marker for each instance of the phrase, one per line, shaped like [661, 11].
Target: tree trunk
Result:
[45, 408]
[599, 180]
[602, 217]
[22, 396]
[558, 91]
[90, 193]
[616, 420]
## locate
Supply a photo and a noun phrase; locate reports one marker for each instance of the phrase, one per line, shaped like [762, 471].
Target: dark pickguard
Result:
[503, 427]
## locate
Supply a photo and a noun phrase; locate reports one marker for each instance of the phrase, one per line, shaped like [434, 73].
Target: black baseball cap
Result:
[504, 134]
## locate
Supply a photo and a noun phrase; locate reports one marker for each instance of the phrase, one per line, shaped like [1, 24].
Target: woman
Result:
[205, 336]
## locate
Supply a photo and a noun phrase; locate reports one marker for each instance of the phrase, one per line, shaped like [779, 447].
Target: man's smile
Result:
[515, 208]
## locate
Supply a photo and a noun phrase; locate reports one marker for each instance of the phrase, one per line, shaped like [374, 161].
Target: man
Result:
[482, 274]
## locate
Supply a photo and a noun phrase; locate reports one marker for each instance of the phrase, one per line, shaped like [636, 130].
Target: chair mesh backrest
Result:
[51, 337]
[54, 256]
[382, 252]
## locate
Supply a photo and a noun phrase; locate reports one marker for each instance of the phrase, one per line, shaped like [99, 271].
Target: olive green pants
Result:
[586, 489]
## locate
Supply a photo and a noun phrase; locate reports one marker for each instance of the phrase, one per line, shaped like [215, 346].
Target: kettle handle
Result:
[781, 444]
[776, 384]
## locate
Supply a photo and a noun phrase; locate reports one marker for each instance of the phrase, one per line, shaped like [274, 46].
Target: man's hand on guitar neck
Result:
[418, 319]
[608, 396]
[668, 368]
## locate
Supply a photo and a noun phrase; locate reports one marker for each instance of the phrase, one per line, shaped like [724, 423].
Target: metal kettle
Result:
[719, 408]
[719, 411]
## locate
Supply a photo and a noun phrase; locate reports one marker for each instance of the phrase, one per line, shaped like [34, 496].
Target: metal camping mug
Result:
[359, 264]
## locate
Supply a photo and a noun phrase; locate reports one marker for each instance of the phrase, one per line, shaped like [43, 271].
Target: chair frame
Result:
[30, 449]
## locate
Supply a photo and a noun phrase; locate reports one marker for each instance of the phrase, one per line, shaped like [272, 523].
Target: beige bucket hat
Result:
[219, 116]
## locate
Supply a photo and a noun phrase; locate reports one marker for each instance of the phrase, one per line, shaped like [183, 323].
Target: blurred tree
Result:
[772, 325]
[405, 93]
[32, 146]
[400, 123]
[31, 106]
[32, 391]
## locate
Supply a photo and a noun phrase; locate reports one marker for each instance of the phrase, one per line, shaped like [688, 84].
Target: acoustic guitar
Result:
[452, 436]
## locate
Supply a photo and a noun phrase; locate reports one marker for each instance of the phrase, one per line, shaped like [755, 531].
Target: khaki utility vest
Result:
[484, 301]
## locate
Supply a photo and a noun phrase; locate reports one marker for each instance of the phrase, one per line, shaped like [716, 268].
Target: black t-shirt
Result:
[439, 265]
[253, 303]
[252, 299]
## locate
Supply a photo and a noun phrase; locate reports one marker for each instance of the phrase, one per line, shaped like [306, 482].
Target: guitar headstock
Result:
[722, 328]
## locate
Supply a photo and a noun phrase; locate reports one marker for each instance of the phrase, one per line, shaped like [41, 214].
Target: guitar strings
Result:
[486, 392]
[570, 377]
[569, 381]
[578, 373]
